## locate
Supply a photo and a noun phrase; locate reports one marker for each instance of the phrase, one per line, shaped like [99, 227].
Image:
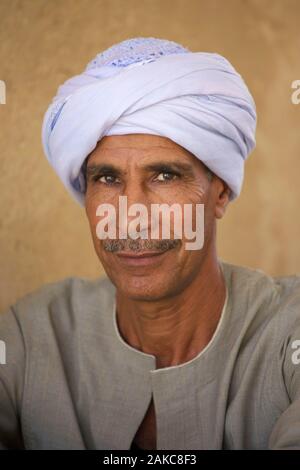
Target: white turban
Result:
[152, 86]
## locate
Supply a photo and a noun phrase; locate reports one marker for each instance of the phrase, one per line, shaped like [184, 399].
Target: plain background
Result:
[44, 234]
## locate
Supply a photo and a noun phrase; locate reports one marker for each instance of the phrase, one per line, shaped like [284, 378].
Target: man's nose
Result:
[137, 203]
[136, 192]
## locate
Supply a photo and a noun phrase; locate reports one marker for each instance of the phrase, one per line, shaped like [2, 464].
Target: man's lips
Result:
[140, 254]
[142, 258]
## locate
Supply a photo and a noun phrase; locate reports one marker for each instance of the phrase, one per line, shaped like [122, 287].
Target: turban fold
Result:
[152, 86]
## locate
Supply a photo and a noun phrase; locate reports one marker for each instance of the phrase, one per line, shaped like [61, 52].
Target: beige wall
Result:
[44, 234]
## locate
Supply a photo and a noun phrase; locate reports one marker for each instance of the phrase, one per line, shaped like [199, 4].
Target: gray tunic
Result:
[72, 382]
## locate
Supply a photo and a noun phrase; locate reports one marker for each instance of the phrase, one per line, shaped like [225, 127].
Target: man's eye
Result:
[167, 176]
[107, 179]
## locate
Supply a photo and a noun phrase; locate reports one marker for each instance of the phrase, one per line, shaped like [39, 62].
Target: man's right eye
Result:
[106, 179]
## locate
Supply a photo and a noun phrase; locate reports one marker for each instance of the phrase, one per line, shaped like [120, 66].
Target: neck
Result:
[177, 328]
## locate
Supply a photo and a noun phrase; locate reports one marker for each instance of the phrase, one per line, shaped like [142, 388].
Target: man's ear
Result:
[223, 198]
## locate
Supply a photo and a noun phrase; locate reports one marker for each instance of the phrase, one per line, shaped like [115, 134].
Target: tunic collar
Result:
[150, 360]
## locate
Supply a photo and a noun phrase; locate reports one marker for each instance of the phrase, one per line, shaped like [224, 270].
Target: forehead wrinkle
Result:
[118, 152]
[121, 164]
[135, 146]
[139, 139]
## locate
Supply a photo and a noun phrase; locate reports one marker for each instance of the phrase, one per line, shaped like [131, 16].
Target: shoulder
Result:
[52, 306]
[268, 308]
[280, 295]
[69, 288]
[45, 326]
[264, 306]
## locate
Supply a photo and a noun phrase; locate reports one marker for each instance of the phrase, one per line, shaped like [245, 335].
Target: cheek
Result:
[93, 198]
[90, 209]
[198, 192]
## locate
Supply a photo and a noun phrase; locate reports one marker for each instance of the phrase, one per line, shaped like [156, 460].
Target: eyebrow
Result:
[166, 166]
[105, 169]
[161, 166]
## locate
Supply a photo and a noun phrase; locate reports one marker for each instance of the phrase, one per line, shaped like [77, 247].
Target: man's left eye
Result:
[166, 176]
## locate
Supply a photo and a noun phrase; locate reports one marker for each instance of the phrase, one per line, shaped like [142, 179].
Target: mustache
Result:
[128, 244]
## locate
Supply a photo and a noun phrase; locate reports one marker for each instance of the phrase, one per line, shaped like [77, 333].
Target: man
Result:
[175, 348]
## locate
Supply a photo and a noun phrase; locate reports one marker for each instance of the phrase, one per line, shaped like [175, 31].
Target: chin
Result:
[142, 289]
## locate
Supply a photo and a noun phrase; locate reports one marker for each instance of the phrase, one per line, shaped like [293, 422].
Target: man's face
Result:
[148, 169]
